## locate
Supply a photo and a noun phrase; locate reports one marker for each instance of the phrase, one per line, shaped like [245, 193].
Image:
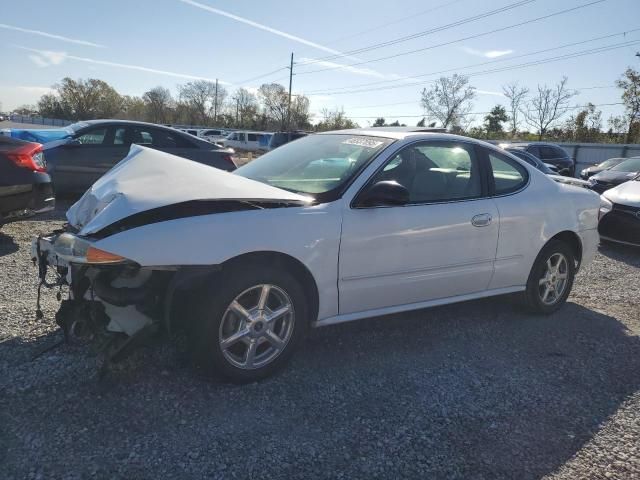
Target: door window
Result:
[435, 172]
[508, 176]
[119, 137]
[95, 136]
[252, 137]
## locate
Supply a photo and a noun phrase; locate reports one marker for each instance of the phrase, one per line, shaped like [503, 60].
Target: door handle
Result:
[481, 220]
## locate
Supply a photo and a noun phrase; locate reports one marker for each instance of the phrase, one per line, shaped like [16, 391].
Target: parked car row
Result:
[247, 140]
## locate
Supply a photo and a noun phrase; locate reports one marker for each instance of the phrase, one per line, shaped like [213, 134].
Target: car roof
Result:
[400, 133]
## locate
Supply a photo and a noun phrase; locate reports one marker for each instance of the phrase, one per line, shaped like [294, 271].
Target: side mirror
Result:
[385, 193]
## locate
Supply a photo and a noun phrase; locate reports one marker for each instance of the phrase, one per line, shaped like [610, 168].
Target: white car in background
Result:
[330, 228]
[246, 140]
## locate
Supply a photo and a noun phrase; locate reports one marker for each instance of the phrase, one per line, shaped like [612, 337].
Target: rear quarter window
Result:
[507, 174]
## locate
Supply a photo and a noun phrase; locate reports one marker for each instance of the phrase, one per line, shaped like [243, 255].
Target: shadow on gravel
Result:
[474, 390]
[7, 245]
[623, 253]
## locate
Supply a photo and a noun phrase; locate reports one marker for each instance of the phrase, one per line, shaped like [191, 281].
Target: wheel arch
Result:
[272, 258]
[572, 239]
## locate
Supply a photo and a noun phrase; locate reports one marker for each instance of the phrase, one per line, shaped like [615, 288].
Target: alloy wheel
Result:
[256, 326]
[553, 282]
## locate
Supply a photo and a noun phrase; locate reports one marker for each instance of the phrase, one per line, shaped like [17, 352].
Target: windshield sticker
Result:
[363, 142]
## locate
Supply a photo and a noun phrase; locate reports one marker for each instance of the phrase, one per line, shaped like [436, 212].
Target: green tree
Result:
[380, 122]
[421, 122]
[82, 100]
[630, 85]
[334, 120]
[494, 120]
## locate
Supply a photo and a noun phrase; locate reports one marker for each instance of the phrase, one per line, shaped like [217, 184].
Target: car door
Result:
[522, 219]
[85, 158]
[442, 244]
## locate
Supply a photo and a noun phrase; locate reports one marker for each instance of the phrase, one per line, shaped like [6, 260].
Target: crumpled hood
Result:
[627, 194]
[148, 179]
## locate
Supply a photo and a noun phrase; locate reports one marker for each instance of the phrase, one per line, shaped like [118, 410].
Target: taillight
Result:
[29, 156]
[229, 158]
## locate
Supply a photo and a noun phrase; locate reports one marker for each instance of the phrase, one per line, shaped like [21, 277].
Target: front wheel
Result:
[249, 327]
[551, 278]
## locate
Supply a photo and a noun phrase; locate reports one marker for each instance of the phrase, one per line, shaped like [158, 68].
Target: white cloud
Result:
[47, 58]
[266, 28]
[38, 60]
[51, 35]
[488, 53]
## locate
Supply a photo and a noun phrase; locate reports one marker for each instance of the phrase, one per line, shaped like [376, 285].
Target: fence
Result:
[587, 154]
[36, 120]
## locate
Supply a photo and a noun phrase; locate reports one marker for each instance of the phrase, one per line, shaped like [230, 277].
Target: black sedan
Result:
[621, 173]
[25, 187]
[94, 146]
[587, 173]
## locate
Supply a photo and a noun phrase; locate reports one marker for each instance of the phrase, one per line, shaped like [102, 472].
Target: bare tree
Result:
[448, 100]
[275, 99]
[159, 104]
[198, 96]
[245, 107]
[548, 105]
[516, 95]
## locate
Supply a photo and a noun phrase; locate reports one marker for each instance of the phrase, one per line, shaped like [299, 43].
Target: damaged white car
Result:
[330, 228]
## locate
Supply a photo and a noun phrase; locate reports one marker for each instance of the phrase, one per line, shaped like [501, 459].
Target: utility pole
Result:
[290, 82]
[237, 110]
[215, 105]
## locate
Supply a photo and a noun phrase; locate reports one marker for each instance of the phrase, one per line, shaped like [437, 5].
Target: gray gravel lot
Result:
[474, 390]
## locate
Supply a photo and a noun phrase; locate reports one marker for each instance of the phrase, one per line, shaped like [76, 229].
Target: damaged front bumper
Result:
[114, 298]
[108, 295]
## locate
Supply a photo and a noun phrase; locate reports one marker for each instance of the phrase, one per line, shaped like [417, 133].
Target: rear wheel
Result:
[250, 326]
[551, 278]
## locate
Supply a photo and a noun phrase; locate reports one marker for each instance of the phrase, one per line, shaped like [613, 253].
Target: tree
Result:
[82, 100]
[585, 126]
[159, 104]
[494, 120]
[300, 116]
[275, 100]
[197, 98]
[630, 84]
[548, 105]
[334, 120]
[421, 122]
[380, 122]
[448, 100]
[49, 106]
[246, 108]
[217, 102]
[133, 108]
[516, 96]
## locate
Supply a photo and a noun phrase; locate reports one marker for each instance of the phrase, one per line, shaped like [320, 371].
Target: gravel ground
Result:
[474, 390]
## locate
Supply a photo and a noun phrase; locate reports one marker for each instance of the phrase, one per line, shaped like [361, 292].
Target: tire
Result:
[248, 326]
[541, 278]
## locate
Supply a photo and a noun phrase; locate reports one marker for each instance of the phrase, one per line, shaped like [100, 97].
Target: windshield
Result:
[315, 164]
[630, 165]
[610, 163]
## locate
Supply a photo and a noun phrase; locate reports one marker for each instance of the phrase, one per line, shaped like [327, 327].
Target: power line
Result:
[503, 69]
[261, 76]
[393, 22]
[424, 32]
[470, 37]
[573, 44]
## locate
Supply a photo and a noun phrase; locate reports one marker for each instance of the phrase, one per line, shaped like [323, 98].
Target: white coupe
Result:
[329, 228]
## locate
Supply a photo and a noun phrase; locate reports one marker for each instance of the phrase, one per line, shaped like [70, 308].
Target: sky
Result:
[370, 57]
